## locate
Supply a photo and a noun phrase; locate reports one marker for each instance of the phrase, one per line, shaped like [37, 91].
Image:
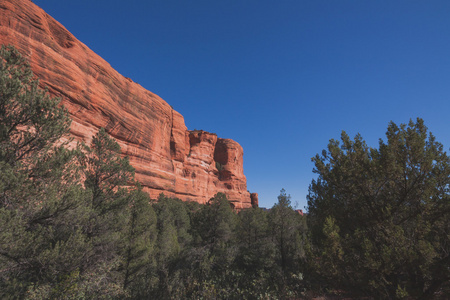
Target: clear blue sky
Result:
[279, 77]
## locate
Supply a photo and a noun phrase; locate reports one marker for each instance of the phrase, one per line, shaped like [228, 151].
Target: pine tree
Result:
[288, 230]
[139, 237]
[379, 217]
[41, 203]
[107, 179]
[107, 173]
[214, 227]
[256, 259]
[174, 239]
[59, 239]
[31, 121]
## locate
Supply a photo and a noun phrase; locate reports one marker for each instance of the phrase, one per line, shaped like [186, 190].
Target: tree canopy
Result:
[379, 216]
[75, 224]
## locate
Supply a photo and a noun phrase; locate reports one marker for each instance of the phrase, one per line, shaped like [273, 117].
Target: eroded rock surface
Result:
[254, 199]
[190, 165]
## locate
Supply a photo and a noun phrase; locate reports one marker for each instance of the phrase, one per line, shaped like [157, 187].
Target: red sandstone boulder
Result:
[167, 157]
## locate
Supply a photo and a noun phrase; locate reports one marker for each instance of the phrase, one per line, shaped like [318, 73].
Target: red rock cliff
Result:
[190, 165]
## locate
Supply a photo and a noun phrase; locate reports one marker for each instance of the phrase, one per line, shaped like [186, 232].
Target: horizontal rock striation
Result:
[190, 165]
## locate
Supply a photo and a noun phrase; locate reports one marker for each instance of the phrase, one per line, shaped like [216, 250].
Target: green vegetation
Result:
[75, 224]
[379, 218]
[219, 166]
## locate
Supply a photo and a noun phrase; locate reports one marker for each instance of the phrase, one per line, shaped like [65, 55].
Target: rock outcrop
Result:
[190, 165]
[254, 199]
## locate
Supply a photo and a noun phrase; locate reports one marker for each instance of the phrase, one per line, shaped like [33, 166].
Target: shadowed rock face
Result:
[168, 158]
[254, 199]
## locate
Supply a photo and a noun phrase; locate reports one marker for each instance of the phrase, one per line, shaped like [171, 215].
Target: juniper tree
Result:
[379, 217]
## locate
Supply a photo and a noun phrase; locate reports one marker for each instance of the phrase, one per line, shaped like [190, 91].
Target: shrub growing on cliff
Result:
[379, 217]
[219, 166]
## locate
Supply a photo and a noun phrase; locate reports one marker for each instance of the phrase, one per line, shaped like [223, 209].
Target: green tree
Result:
[106, 172]
[215, 225]
[41, 202]
[256, 257]
[288, 230]
[139, 238]
[379, 217]
[283, 228]
[174, 239]
[31, 121]
[215, 249]
[257, 251]
[108, 177]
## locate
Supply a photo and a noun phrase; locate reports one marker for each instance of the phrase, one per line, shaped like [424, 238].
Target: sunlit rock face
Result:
[190, 165]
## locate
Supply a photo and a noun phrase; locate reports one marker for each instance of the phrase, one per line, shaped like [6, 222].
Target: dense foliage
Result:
[75, 224]
[379, 218]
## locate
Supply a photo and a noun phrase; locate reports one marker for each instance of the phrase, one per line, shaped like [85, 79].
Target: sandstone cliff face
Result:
[192, 166]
